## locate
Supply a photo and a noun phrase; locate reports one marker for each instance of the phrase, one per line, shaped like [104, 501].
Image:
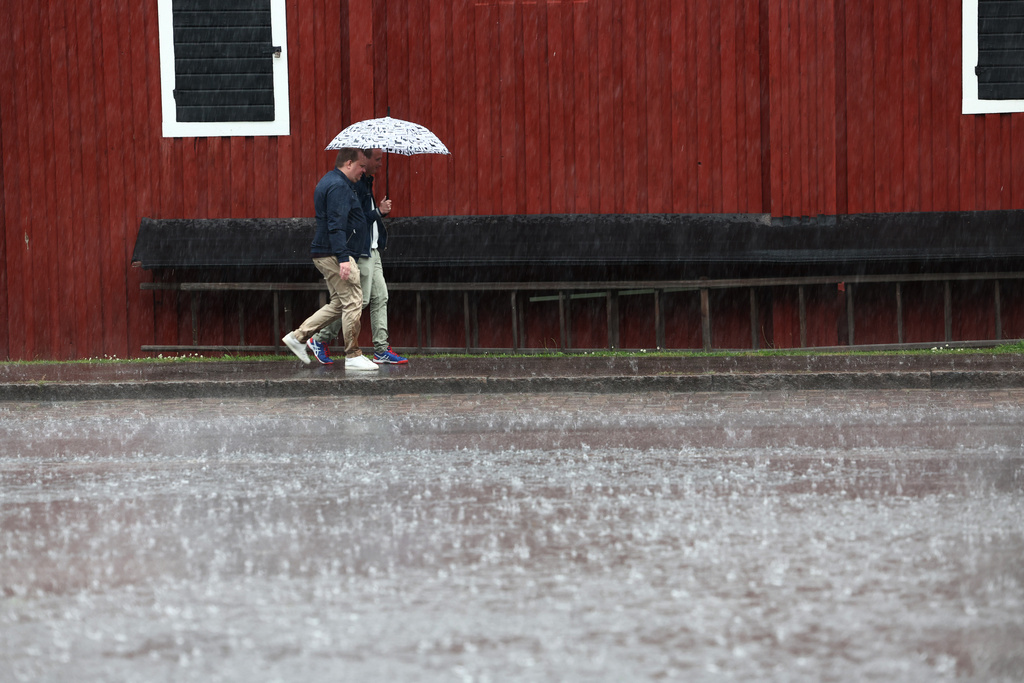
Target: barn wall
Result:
[575, 106]
[641, 106]
[84, 160]
[650, 106]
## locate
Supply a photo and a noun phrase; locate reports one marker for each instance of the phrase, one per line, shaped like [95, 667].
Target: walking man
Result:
[371, 272]
[341, 230]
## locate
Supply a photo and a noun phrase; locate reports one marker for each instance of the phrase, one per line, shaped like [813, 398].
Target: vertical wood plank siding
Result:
[83, 160]
[794, 107]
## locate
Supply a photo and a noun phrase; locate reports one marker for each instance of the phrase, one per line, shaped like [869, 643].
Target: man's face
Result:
[354, 170]
[374, 161]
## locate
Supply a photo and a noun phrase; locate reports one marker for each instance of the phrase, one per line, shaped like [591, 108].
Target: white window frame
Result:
[971, 103]
[172, 128]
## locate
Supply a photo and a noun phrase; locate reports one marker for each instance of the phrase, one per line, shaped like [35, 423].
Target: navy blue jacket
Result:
[341, 226]
[364, 190]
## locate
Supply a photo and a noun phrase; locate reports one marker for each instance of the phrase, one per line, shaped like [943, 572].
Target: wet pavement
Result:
[595, 374]
[783, 534]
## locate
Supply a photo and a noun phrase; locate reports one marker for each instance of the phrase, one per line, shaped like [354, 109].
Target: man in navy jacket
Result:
[340, 233]
[371, 272]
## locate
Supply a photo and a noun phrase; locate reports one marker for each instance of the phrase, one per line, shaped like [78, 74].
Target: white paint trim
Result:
[971, 103]
[172, 128]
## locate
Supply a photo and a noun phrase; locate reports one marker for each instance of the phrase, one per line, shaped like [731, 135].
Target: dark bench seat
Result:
[679, 241]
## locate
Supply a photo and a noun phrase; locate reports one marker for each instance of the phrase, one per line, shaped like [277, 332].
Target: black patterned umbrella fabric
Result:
[390, 135]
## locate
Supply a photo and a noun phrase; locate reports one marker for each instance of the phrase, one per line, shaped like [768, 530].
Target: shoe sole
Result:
[384, 361]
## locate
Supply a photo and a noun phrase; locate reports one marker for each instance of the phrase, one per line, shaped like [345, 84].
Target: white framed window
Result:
[993, 56]
[223, 68]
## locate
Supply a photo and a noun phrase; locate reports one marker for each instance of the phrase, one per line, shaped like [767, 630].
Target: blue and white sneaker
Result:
[319, 351]
[390, 357]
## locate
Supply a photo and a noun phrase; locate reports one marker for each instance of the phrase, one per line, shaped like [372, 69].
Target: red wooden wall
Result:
[794, 107]
[83, 160]
[643, 106]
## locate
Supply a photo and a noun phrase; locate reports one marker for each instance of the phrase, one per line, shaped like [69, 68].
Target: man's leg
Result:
[352, 304]
[332, 331]
[329, 333]
[378, 301]
[335, 308]
[366, 276]
[382, 353]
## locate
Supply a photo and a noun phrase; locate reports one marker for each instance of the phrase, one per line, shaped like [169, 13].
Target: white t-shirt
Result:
[373, 242]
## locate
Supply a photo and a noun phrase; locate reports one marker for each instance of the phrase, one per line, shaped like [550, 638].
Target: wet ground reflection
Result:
[440, 539]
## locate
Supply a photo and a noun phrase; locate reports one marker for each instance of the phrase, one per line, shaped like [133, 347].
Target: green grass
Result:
[1013, 348]
[193, 358]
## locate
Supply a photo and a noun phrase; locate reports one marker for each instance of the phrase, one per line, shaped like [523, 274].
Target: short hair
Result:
[346, 154]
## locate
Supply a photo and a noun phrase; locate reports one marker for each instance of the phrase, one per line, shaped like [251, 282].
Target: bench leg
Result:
[277, 321]
[194, 303]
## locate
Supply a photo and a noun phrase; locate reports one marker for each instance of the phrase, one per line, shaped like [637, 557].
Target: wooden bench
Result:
[463, 255]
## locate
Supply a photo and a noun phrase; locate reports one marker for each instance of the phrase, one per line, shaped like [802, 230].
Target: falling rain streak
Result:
[799, 536]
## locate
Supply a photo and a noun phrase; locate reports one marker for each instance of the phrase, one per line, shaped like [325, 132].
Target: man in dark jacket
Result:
[371, 272]
[340, 234]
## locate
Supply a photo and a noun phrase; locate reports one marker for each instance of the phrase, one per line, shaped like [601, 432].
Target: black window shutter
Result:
[1000, 67]
[223, 60]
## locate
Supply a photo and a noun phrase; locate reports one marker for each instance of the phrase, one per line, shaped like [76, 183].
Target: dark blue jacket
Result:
[341, 226]
[364, 190]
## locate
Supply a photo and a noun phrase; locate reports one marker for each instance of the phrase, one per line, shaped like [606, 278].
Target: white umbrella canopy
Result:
[390, 135]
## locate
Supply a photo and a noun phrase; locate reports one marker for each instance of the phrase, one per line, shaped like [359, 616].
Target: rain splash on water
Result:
[802, 537]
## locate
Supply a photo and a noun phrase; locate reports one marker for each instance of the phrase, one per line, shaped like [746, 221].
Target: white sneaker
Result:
[359, 362]
[297, 347]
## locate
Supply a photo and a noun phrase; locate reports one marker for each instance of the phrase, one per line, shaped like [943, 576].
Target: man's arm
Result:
[338, 206]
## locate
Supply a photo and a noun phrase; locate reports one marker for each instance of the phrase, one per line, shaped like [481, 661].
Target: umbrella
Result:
[390, 135]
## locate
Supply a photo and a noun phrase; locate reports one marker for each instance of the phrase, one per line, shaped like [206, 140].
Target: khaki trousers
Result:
[346, 305]
[375, 294]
